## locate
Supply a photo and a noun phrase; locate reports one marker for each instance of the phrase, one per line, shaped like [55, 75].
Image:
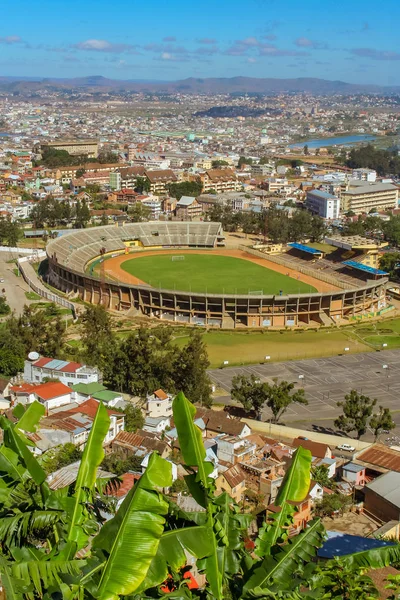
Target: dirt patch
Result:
[112, 266]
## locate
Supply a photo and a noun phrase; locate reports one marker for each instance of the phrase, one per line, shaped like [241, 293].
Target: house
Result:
[232, 449]
[96, 390]
[317, 449]
[160, 180]
[232, 481]
[354, 474]
[52, 394]
[156, 424]
[379, 458]
[68, 475]
[159, 404]
[382, 497]
[67, 372]
[329, 463]
[301, 516]
[78, 421]
[187, 208]
[316, 491]
[217, 422]
[220, 180]
[139, 443]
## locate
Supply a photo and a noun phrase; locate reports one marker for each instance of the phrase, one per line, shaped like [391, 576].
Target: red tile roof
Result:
[50, 390]
[26, 388]
[42, 362]
[128, 481]
[89, 407]
[71, 367]
[161, 394]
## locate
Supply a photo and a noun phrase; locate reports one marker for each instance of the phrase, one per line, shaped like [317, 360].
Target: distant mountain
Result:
[211, 85]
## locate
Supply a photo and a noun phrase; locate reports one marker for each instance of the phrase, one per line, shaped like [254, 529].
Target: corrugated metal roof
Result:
[381, 456]
[387, 486]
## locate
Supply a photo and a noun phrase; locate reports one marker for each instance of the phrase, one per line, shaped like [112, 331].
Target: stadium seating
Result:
[76, 249]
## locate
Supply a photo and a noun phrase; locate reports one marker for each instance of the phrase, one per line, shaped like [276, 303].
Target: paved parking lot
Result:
[326, 380]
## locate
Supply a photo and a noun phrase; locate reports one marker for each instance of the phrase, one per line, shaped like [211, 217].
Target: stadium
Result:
[183, 273]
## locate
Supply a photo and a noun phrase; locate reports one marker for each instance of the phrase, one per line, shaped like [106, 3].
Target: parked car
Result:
[346, 448]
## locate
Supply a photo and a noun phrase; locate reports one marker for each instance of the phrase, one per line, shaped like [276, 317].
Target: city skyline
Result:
[163, 42]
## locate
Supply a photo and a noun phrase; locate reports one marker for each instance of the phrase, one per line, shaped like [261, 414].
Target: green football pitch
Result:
[212, 274]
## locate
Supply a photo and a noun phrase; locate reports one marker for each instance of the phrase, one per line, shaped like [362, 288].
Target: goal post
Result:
[177, 258]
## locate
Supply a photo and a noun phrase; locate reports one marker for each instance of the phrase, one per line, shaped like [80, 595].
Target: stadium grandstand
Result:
[70, 257]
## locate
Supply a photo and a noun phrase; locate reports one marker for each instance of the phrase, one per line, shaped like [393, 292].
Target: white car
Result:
[346, 447]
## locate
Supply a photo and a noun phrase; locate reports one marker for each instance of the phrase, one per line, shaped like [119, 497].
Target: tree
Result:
[139, 212]
[244, 161]
[134, 418]
[104, 219]
[185, 188]
[114, 463]
[142, 185]
[381, 421]
[250, 392]
[219, 163]
[191, 365]
[4, 307]
[279, 398]
[98, 339]
[305, 150]
[80, 172]
[60, 457]
[390, 262]
[331, 504]
[82, 214]
[357, 408]
[320, 474]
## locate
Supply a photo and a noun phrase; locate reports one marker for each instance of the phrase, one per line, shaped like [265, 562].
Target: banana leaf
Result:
[130, 540]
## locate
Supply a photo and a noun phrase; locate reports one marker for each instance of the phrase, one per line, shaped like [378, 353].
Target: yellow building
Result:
[75, 147]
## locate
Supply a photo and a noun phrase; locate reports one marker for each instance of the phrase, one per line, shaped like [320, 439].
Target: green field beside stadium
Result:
[212, 274]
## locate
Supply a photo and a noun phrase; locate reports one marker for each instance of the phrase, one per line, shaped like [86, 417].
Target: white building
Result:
[69, 373]
[51, 394]
[364, 175]
[154, 204]
[323, 204]
[159, 404]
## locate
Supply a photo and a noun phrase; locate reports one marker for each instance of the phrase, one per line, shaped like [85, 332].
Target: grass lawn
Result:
[212, 274]
[246, 348]
[32, 296]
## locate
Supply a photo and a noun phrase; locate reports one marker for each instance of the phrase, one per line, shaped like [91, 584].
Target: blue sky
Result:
[355, 41]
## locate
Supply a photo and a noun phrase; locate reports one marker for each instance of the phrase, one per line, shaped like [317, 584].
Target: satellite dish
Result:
[33, 356]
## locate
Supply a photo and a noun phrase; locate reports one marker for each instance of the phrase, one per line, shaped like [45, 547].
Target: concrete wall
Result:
[283, 433]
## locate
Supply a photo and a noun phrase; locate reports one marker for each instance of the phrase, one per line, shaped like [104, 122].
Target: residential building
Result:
[323, 204]
[232, 481]
[77, 147]
[233, 450]
[217, 422]
[220, 180]
[129, 176]
[156, 424]
[160, 180]
[67, 372]
[301, 517]
[361, 197]
[159, 404]
[382, 497]
[51, 394]
[378, 458]
[139, 443]
[68, 475]
[364, 175]
[187, 208]
[115, 180]
[262, 170]
[354, 474]
[155, 206]
[317, 449]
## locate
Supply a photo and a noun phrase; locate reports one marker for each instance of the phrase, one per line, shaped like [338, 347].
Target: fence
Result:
[280, 260]
[24, 266]
[30, 251]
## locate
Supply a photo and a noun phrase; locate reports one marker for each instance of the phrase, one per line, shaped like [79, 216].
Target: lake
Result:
[335, 141]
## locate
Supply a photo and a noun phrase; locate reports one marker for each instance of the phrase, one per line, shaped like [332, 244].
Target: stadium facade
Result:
[70, 255]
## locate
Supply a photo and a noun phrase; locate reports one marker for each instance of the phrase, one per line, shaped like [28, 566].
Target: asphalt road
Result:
[326, 381]
[15, 287]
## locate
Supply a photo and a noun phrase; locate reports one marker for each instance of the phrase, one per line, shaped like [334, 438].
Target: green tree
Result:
[381, 421]
[134, 418]
[99, 341]
[56, 458]
[139, 212]
[357, 409]
[250, 392]
[244, 161]
[191, 365]
[279, 398]
[142, 185]
[332, 503]
[216, 164]
[320, 474]
[117, 465]
[104, 219]
[4, 307]
[185, 188]
[80, 172]
[82, 214]
[305, 150]
[390, 262]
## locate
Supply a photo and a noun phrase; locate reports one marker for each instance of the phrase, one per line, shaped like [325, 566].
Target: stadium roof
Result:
[348, 242]
[304, 248]
[356, 265]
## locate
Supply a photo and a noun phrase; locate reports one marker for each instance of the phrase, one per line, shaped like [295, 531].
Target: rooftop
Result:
[387, 486]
